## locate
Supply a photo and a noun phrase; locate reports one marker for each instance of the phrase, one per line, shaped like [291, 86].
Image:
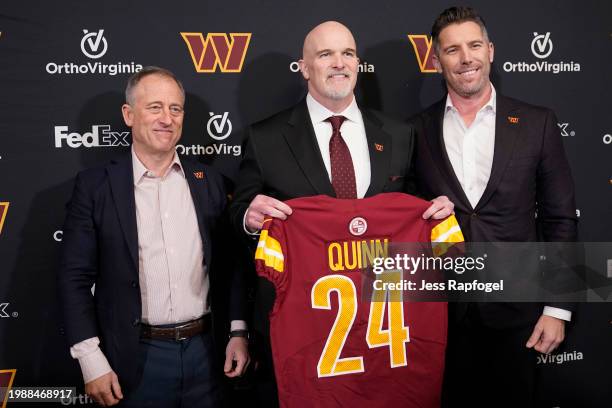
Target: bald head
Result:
[326, 30]
[329, 64]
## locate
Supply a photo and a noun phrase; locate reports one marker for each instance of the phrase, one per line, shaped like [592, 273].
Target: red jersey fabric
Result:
[332, 345]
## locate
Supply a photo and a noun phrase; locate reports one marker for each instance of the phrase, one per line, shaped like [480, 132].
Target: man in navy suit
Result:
[143, 230]
[499, 160]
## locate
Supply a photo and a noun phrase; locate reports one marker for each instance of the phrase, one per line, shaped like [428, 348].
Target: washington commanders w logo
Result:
[216, 51]
[6, 382]
[3, 210]
[422, 49]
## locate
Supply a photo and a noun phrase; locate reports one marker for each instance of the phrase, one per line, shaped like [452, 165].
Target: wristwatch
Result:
[239, 333]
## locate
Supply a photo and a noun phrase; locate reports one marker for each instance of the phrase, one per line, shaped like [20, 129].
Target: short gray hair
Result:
[146, 71]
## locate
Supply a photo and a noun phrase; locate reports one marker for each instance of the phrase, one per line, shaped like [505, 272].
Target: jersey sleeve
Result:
[445, 234]
[271, 255]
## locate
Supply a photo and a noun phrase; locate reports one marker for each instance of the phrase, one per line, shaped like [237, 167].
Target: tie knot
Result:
[336, 122]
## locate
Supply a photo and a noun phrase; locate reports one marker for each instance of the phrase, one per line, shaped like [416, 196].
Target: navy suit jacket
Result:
[530, 173]
[100, 246]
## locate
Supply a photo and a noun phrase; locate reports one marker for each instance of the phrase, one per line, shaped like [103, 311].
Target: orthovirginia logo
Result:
[216, 51]
[4, 205]
[94, 45]
[560, 358]
[218, 127]
[423, 51]
[541, 45]
[6, 382]
[541, 48]
[362, 67]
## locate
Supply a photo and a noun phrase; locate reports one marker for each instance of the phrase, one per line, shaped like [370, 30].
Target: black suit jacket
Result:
[530, 172]
[282, 159]
[100, 246]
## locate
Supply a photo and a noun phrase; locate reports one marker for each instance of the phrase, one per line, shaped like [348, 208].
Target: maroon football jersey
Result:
[334, 343]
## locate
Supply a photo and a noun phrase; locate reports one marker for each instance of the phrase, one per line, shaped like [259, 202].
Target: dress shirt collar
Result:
[141, 171]
[491, 105]
[319, 113]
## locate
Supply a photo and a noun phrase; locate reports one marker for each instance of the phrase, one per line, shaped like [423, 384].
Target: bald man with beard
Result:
[288, 155]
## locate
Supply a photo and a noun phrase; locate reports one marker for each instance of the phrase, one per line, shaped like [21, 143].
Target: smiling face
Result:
[155, 115]
[464, 56]
[329, 64]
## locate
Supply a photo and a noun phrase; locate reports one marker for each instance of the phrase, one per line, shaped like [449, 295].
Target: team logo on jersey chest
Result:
[358, 226]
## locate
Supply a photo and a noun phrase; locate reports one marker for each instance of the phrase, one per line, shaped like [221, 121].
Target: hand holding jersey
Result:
[263, 206]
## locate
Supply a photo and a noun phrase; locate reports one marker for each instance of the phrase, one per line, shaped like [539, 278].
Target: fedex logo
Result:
[100, 136]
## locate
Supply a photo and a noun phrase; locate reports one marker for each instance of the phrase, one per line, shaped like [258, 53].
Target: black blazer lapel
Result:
[302, 141]
[507, 125]
[121, 177]
[198, 186]
[379, 148]
[435, 138]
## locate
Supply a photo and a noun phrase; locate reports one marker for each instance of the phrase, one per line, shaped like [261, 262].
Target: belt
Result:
[181, 331]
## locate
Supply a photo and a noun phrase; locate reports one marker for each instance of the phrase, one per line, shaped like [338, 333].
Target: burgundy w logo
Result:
[6, 382]
[3, 211]
[216, 51]
[422, 49]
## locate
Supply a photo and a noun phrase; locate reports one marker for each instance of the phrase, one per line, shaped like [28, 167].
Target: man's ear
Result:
[128, 114]
[437, 64]
[304, 69]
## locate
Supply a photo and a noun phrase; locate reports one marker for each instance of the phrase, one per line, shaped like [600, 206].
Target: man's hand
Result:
[237, 350]
[105, 390]
[547, 334]
[263, 206]
[440, 208]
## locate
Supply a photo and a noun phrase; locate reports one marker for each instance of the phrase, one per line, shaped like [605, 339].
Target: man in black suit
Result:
[300, 152]
[142, 229]
[499, 160]
[288, 155]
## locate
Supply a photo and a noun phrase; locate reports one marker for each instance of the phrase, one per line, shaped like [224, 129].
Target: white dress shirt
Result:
[470, 151]
[353, 134]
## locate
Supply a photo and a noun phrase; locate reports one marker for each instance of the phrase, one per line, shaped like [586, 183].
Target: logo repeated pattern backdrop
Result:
[63, 69]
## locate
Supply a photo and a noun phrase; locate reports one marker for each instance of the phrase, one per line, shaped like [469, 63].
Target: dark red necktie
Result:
[342, 170]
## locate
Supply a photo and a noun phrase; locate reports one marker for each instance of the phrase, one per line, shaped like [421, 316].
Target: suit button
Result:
[136, 322]
[134, 284]
[474, 215]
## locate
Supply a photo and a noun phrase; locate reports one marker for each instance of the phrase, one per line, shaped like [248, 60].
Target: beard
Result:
[338, 93]
[469, 89]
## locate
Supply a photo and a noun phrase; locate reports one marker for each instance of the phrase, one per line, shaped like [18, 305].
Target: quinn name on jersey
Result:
[335, 343]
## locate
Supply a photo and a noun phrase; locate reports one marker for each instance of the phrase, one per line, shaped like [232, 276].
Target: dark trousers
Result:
[177, 374]
[488, 367]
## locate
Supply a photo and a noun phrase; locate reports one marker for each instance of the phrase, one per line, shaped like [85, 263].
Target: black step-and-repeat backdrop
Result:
[63, 68]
